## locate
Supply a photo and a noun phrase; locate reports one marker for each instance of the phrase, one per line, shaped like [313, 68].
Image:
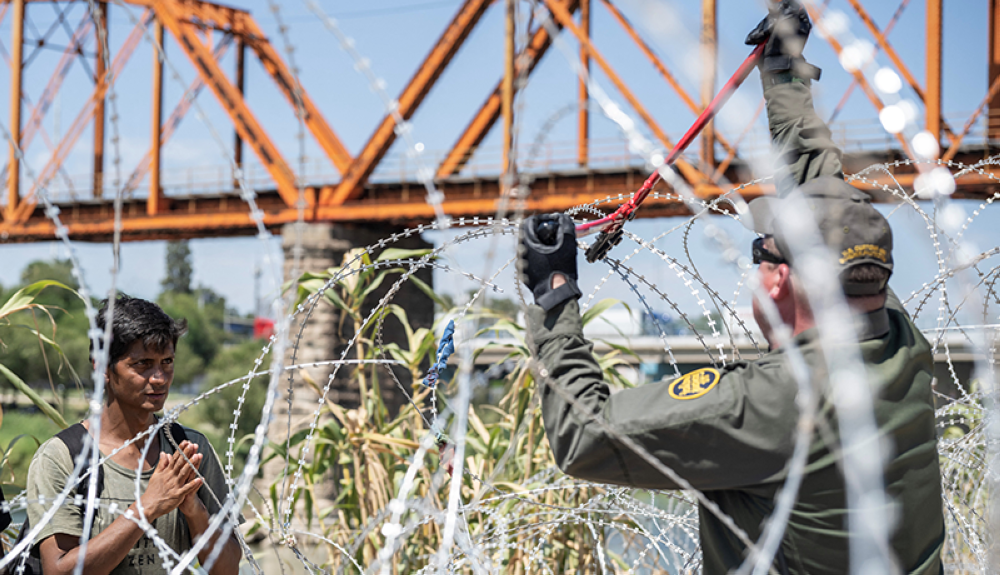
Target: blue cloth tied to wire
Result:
[445, 348]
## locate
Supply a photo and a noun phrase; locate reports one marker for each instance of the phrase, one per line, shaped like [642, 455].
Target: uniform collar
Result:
[871, 325]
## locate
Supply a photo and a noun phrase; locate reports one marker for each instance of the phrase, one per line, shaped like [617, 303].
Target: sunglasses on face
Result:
[761, 254]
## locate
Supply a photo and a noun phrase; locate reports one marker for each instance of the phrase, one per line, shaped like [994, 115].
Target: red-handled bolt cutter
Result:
[611, 226]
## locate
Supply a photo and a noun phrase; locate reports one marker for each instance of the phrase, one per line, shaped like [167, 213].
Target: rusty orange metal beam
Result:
[76, 129]
[95, 226]
[102, 39]
[226, 214]
[230, 98]
[583, 95]
[709, 59]
[312, 117]
[156, 201]
[241, 52]
[859, 77]
[508, 85]
[418, 88]
[489, 112]
[563, 16]
[993, 67]
[16, 77]
[933, 100]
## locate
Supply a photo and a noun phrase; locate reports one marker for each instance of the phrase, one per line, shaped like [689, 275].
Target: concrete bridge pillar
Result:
[324, 337]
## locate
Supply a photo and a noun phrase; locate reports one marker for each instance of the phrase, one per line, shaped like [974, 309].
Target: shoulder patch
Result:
[695, 384]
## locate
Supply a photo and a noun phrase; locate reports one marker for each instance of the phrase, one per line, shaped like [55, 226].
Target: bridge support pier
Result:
[324, 336]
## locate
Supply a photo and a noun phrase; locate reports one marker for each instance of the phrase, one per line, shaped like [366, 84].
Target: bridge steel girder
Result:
[355, 199]
[403, 203]
[157, 200]
[100, 77]
[416, 90]
[16, 76]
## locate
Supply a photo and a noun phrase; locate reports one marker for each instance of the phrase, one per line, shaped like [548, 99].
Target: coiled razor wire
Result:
[651, 537]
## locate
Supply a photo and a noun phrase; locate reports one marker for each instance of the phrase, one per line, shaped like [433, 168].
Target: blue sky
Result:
[396, 35]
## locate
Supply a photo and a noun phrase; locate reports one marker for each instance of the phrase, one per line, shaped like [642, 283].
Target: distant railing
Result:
[547, 157]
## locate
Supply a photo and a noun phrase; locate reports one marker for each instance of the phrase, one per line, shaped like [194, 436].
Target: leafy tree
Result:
[179, 269]
[204, 335]
[28, 345]
[59, 270]
[22, 306]
[213, 415]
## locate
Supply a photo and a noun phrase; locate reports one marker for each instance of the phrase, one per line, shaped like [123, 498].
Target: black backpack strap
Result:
[177, 432]
[74, 438]
[173, 436]
[4, 518]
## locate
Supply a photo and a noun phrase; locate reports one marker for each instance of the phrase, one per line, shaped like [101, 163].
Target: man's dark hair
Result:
[867, 273]
[137, 319]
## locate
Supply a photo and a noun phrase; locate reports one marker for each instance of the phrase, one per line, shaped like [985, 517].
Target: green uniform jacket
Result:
[730, 433]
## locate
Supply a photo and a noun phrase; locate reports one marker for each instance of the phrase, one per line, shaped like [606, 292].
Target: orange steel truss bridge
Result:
[158, 206]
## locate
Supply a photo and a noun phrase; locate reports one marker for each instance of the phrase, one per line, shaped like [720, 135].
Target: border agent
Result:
[730, 432]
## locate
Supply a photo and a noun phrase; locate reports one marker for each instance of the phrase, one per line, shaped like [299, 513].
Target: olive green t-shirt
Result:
[51, 466]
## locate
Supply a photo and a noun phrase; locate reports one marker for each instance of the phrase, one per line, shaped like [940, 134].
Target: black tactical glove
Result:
[785, 29]
[548, 247]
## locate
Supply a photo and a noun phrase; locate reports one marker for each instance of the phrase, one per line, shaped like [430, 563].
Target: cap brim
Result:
[761, 218]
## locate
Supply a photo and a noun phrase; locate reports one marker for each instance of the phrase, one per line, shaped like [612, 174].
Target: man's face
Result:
[141, 378]
[771, 278]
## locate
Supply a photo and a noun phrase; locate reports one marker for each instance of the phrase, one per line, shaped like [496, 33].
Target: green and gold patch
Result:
[695, 384]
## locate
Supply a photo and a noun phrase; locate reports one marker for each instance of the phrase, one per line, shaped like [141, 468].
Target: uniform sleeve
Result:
[737, 434]
[47, 475]
[801, 140]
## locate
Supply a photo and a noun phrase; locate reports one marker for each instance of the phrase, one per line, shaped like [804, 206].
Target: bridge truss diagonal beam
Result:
[416, 90]
[290, 87]
[858, 75]
[231, 100]
[489, 112]
[41, 107]
[886, 46]
[28, 202]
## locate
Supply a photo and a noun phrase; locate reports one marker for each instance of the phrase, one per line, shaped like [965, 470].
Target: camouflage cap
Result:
[847, 220]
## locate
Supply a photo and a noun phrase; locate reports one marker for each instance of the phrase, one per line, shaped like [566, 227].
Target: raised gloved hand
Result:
[785, 29]
[548, 247]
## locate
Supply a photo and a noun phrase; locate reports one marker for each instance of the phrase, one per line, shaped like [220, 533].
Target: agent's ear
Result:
[783, 286]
